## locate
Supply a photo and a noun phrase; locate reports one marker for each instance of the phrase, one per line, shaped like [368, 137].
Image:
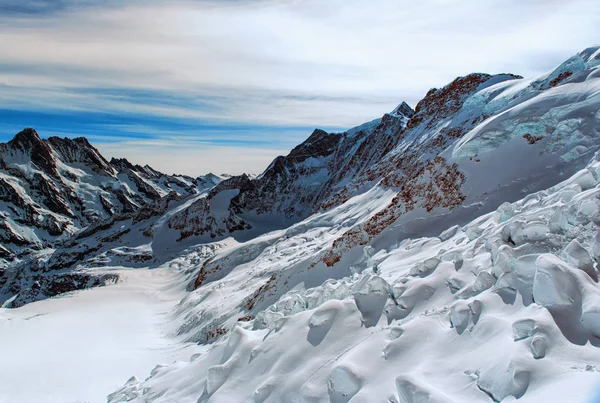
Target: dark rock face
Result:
[9, 194]
[234, 183]
[281, 179]
[196, 220]
[127, 205]
[403, 110]
[441, 103]
[143, 186]
[79, 150]
[319, 144]
[5, 254]
[75, 281]
[69, 259]
[47, 285]
[29, 143]
[8, 236]
[122, 165]
[50, 195]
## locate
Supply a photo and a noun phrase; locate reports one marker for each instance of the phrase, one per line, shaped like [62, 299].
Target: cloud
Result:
[266, 63]
[193, 159]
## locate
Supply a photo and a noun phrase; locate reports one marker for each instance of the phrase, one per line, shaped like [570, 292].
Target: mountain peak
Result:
[212, 176]
[403, 110]
[320, 143]
[83, 141]
[79, 150]
[122, 164]
[25, 137]
[29, 142]
[440, 103]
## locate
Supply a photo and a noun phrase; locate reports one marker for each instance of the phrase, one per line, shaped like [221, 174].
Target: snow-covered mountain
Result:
[52, 189]
[437, 159]
[443, 254]
[378, 295]
[502, 308]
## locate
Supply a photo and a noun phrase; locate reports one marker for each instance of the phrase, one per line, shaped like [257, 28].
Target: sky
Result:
[224, 86]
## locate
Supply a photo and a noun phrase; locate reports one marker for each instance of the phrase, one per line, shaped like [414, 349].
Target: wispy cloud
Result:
[196, 69]
[232, 159]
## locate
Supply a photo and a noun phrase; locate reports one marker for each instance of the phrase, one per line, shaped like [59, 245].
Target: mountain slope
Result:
[504, 307]
[345, 306]
[436, 158]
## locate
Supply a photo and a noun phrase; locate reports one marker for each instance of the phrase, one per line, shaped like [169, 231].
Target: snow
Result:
[392, 328]
[79, 347]
[388, 328]
[365, 126]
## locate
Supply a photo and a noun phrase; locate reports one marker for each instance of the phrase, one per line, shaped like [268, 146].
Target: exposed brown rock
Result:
[532, 139]
[560, 78]
[260, 293]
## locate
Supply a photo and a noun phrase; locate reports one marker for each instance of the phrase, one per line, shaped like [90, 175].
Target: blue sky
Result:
[225, 86]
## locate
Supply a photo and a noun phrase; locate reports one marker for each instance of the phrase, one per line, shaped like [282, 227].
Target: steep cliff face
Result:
[80, 151]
